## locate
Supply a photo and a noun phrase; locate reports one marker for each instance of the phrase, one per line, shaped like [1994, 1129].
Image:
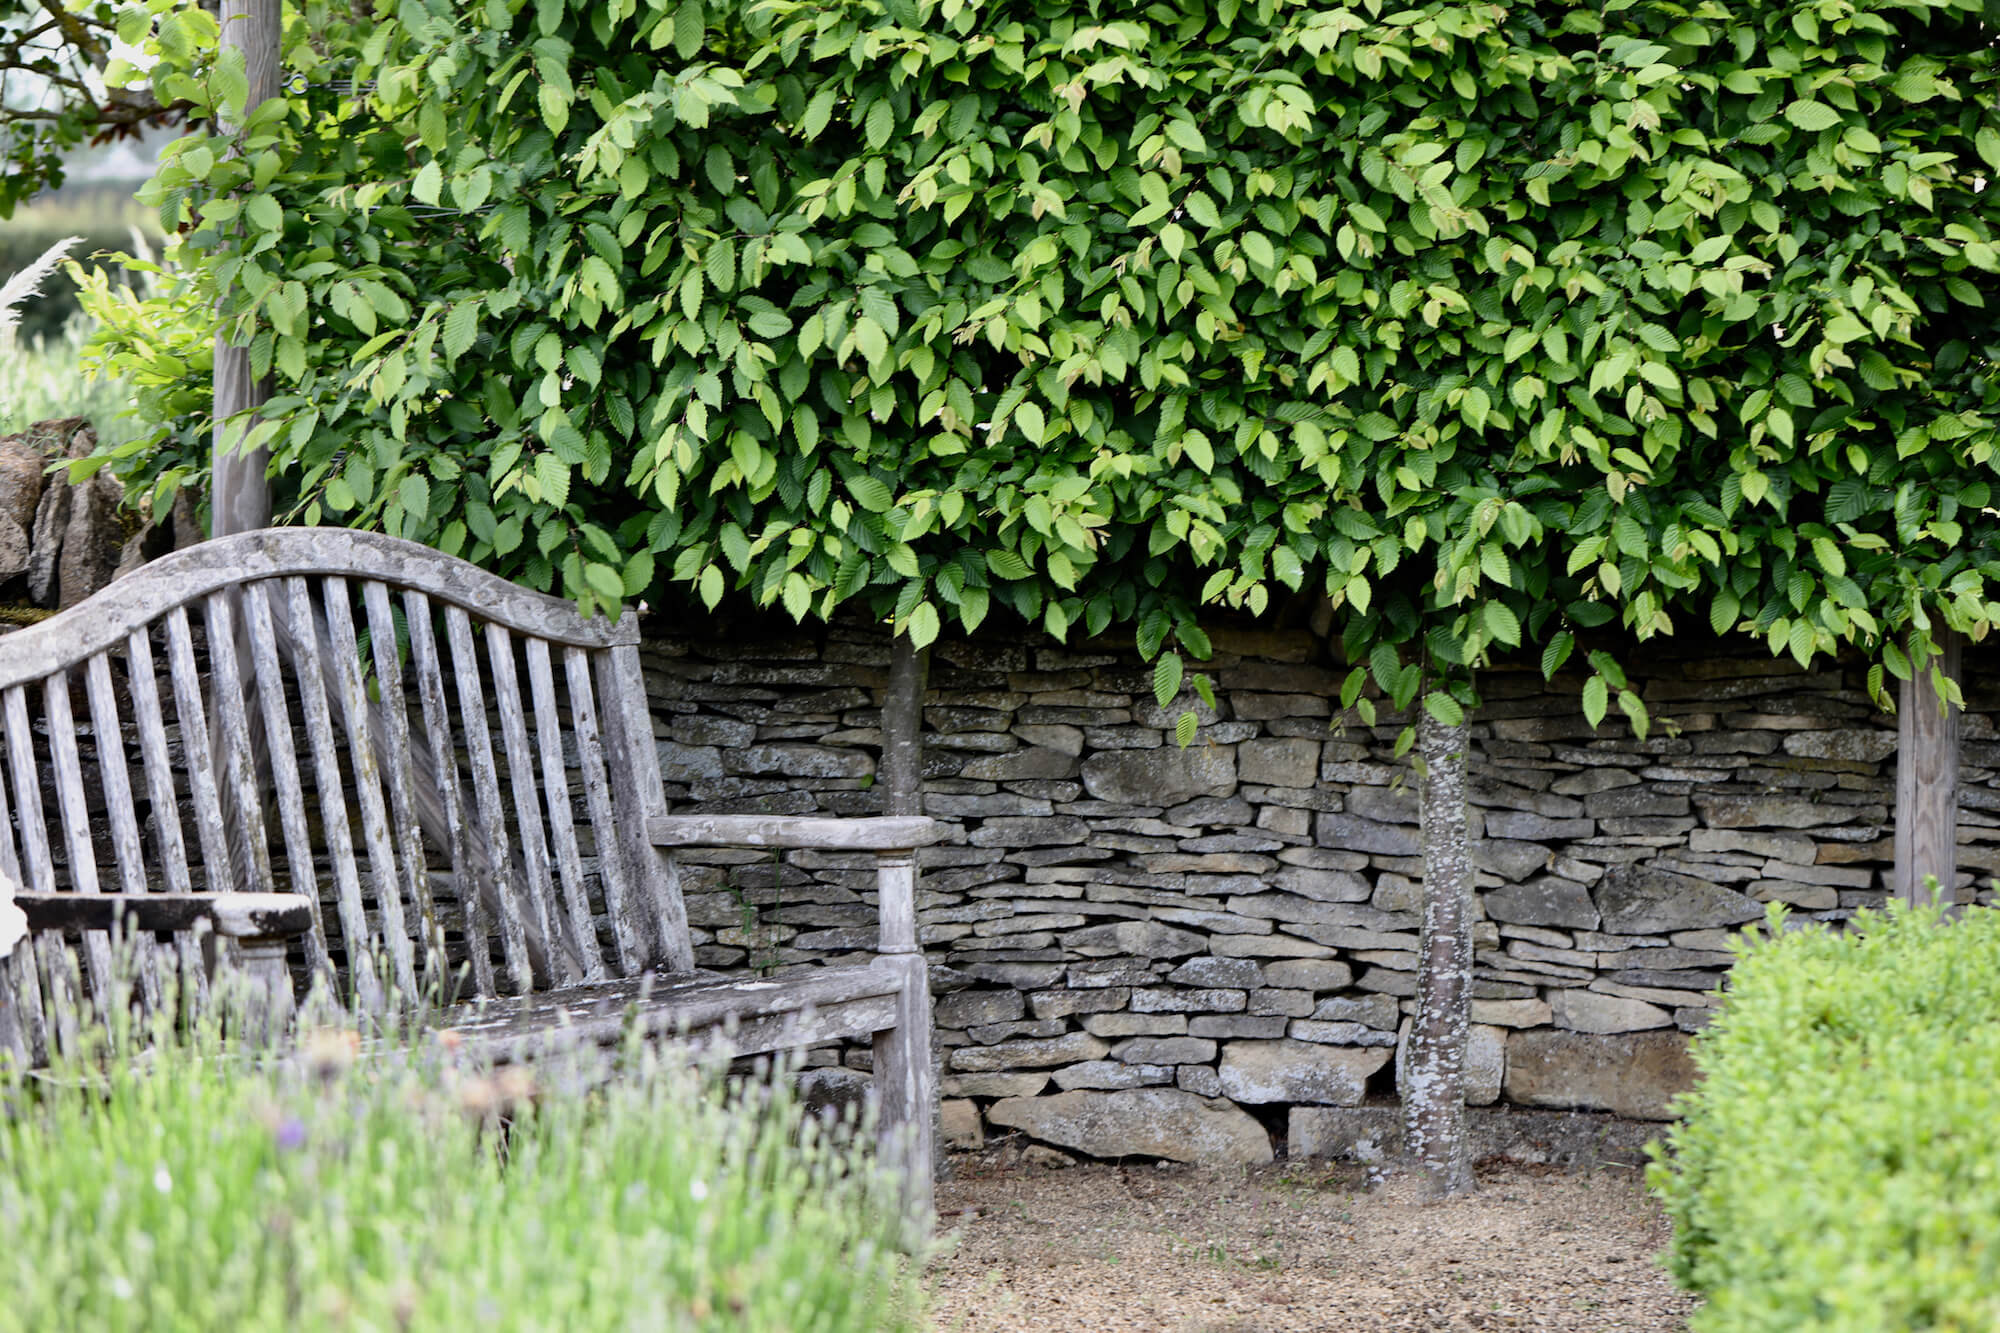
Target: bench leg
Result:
[906, 1088]
[20, 1009]
[269, 1003]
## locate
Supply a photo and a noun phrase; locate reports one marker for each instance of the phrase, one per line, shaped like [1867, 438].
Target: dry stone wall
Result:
[1196, 954]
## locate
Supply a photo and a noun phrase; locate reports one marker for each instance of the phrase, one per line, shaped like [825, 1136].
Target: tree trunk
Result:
[902, 771]
[1927, 782]
[901, 777]
[239, 489]
[1434, 1070]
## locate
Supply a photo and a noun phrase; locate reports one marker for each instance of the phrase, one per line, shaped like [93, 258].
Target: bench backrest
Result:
[456, 770]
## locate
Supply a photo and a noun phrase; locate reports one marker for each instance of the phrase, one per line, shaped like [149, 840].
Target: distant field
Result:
[103, 214]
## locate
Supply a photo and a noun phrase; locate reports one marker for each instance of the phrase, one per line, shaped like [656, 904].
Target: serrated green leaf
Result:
[1444, 708]
[1184, 730]
[1557, 653]
[1167, 674]
[1596, 700]
[871, 493]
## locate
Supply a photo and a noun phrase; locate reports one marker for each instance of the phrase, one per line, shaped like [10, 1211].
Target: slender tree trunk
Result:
[1434, 1071]
[1927, 782]
[239, 490]
[902, 770]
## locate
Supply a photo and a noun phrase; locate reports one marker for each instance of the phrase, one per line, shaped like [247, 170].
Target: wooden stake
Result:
[240, 494]
[1927, 782]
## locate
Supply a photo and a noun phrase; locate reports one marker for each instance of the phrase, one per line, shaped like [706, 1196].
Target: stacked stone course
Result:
[1164, 951]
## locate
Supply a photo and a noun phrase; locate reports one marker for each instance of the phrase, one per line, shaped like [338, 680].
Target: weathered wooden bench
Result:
[526, 883]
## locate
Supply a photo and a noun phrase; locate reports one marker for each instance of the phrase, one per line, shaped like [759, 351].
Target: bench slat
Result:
[40, 871]
[486, 792]
[603, 822]
[292, 819]
[556, 798]
[640, 795]
[193, 714]
[877, 834]
[429, 672]
[116, 776]
[142, 676]
[10, 859]
[561, 968]
[75, 813]
[239, 763]
[399, 766]
[143, 679]
[365, 756]
[338, 837]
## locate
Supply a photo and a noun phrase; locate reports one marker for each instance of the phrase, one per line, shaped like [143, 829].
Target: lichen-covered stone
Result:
[1641, 900]
[1142, 939]
[1297, 1071]
[1032, 1053]
[1161, 777]
[1143, 1122]
[1546, 900]
[1634, 1074]
[1587, 1011]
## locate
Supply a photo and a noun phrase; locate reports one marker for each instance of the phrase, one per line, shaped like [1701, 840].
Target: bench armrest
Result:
[873, 834]
[232, 915]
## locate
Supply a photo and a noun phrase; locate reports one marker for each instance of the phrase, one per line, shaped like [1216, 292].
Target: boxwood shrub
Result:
[1838, 1166]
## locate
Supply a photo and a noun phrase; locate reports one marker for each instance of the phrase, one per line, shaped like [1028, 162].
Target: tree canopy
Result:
[1496, 324]
[53, 93]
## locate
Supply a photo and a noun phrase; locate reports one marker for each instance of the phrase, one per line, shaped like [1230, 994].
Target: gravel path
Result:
[1300, 1246]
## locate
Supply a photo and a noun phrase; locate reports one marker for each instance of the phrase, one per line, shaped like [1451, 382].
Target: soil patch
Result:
[1297, 1246]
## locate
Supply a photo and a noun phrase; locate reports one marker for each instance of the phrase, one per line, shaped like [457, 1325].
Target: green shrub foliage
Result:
[1491, 324]
[1838, 1167]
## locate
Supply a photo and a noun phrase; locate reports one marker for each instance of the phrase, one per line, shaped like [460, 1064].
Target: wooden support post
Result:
[240, 493]
[906, 1077]
[1927, 782]
[268, 988]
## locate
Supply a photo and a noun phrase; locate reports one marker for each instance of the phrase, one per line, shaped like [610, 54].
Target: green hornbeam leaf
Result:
[1184, 730]
[1556, 653]
[871, 493]
[1596, 700]
[461, 326]
[1812, 116]
[1029, 418]
[1350, 688]
[922, 626]
[1444, 708]
[1635, 711]
[605, 581]
[1167, 678]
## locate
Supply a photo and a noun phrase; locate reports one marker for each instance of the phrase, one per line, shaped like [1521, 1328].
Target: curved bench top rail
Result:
[103, 620]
